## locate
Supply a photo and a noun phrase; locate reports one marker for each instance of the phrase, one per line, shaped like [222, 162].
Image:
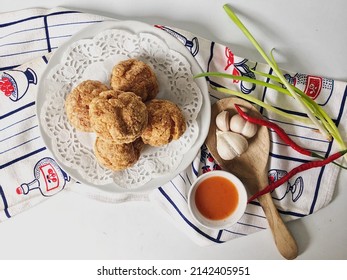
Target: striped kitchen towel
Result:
[29, 174]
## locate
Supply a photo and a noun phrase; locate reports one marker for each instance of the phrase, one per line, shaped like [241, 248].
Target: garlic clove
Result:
[249, 130]
[223, 121]
[230, 144]
[240, 125]
[237, 123]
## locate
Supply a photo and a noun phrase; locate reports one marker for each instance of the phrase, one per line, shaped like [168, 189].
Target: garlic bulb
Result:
[223, 120]
[230, 144]
[240, 125]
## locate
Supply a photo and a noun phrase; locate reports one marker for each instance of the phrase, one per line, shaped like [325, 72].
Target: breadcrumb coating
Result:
[165, 123]
[135, 76]
[117, 156]
[118, 116]
[77, 103]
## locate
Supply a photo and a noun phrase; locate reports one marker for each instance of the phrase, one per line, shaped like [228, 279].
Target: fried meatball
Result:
[117, 156]
[118, 116]
[165, 123]
[77, 103]
[135, 76]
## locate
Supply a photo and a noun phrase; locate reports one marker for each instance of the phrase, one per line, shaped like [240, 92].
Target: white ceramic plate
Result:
[202, 117]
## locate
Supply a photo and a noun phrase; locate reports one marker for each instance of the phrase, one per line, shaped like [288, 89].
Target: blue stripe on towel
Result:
[18, 133]
[8, 67]
[46, 27]
[49, 49]
[255, 215]
[22, 42]
[17, 122]
[181, 194]
[184, 180]
[21, 31]
[3, 197]
[17, 110]
[44, 58]
[196, 172]
[26, 52]
[219, 234]
[287, 158]
[290, 213]
[17, 146]
[22, 157]
[286, 145]
[288, 123]
[342, 108]
[188, 178]
[250, 225]
[36, 17]
[265, 90]
[186, 220]
[74, 23]
[303, 137]
[234, 232]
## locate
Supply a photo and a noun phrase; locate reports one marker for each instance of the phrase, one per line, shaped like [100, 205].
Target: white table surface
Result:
[310, 35]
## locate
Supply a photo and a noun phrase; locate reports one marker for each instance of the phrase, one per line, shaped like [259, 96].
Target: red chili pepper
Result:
[294, 171]
[281, 133]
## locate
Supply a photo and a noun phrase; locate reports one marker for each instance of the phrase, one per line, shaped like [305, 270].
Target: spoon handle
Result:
[284, 240]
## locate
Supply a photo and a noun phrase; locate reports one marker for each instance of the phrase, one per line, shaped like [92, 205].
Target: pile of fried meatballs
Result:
[124, 116]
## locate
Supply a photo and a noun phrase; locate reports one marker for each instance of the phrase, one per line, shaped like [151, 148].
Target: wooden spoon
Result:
[251, 168]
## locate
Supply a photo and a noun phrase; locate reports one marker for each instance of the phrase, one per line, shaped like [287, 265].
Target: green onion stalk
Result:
[315, 113]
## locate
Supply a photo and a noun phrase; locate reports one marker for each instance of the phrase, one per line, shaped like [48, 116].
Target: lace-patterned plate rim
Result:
[110, 190]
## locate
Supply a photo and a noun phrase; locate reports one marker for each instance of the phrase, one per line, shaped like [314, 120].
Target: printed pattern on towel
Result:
[300, 196]
[29, 173]
[282, 157]
[24, 39]
[22, 42]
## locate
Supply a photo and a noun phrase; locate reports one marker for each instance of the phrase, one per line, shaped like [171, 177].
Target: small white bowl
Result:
[233, 217]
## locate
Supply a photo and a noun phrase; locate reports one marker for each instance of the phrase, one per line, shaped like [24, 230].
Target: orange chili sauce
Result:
[216, 198]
